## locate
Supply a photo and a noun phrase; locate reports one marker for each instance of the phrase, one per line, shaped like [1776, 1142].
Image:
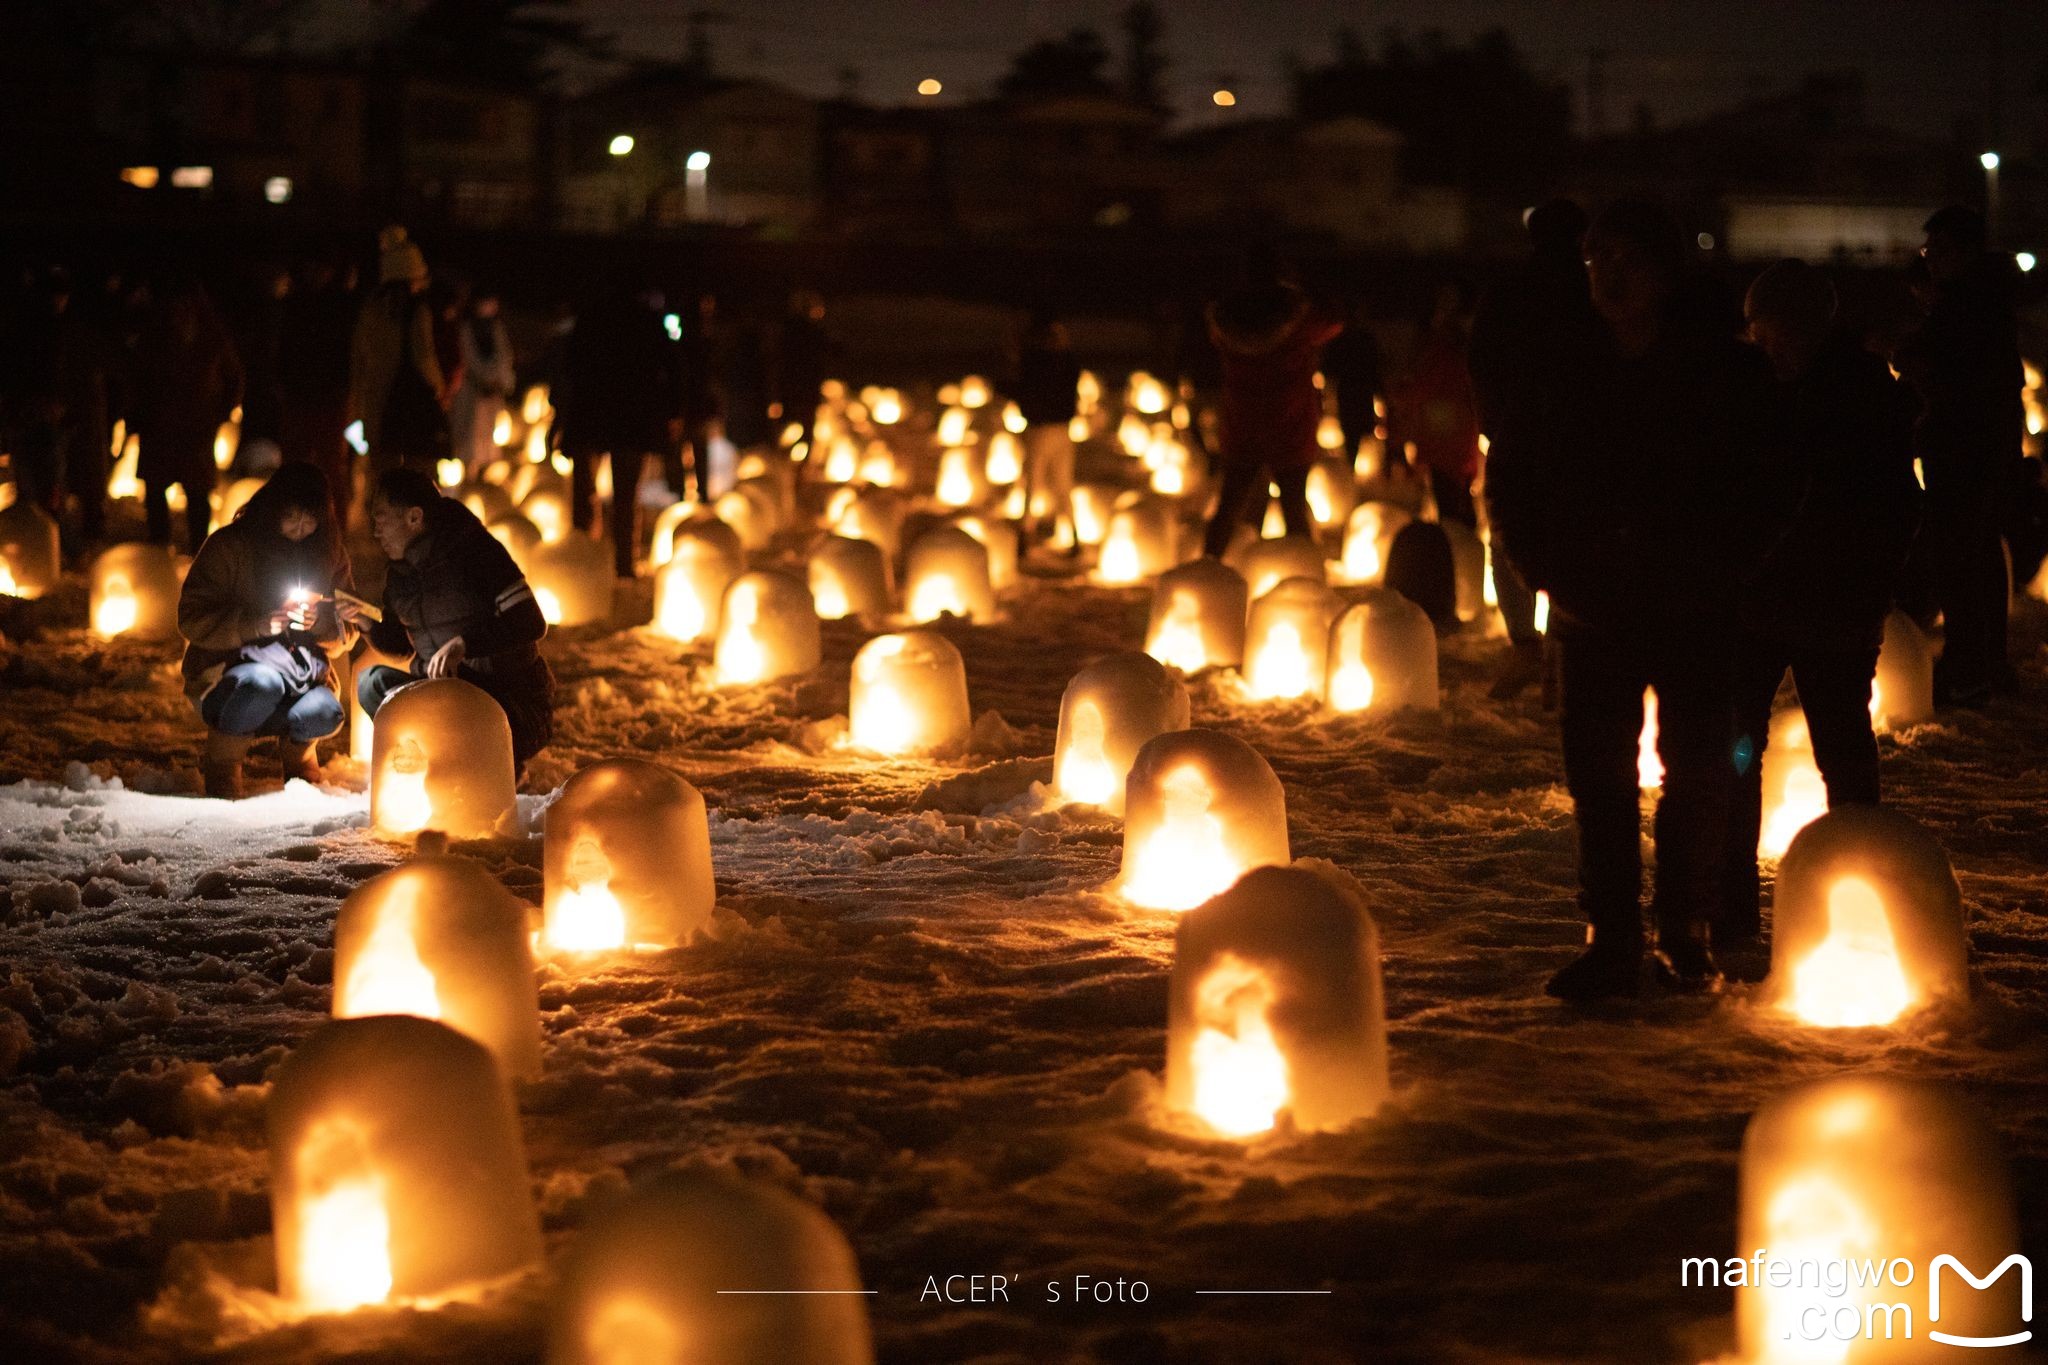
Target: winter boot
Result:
[299, 760]
[222, 765]
[1611, 966]
[1683, 961]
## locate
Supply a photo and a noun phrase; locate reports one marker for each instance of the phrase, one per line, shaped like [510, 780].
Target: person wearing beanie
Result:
[396, 389]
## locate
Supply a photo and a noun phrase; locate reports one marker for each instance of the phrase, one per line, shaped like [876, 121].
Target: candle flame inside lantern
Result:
[1351, 687]
[1119, 562]
[936, 595]
[1133, 435]
[1542, 613]
[632, 1331]
[403, 806]
[741, 657]
[1280, 669]
[501, 430]
[117, 610]
[8, 586]
[1184, 861]
[344, 1245]
[1178, 641]
[388, 976]
[842, 460]
[1803, 801]
[1085, 773]
[1649, 765]
[1853, 979]
[587, 918]
[1810, 1220]
[1005, 459]
[829, 595]
[955, 427]
[1147, 394]
[683, 615]
[956, 480]
[1241, 1082]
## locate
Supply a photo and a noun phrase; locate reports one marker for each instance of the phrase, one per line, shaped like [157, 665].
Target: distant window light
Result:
[672, 323]
[2024, 260]
[1224, 99]
[622, 145]
[141, 177]
[278, 189]
[1706, 241]
[697, 161]
[192, 177]
[930, 85]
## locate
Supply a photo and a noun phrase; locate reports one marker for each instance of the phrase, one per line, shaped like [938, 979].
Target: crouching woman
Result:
[258, 616]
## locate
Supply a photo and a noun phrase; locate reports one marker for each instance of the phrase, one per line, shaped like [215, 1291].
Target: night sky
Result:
[1929, 61]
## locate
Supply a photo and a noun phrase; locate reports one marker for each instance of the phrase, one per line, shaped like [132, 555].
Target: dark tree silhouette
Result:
[1069, 65]
[1145, 54]
[1474, 114]
[509, 40]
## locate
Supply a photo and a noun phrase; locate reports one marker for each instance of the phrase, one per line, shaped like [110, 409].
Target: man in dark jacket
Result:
[616, 398]
[1965, 363]
[1529, 327]
[1641, 531]
[1817, 607]
[455, 601]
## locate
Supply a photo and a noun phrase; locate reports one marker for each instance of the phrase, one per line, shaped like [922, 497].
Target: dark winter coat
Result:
[1532, 331]
[619, 384]
[1849, 449]
[395, 381]
[456, 579]
[190, 378]
[238, 580]
[1964, 362]
[1271, 406]
[1047, 378]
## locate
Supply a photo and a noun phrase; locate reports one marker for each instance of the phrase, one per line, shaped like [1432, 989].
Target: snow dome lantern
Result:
[1332, 492]
[1287, 641]
[135, 592]
[962, 481]
[1265, 562]
[571, 579]
[1794, 793]
[1877, 1169]
[1903, 691]
[396, 1171]
[686, 520]
[872, 514]
[1867, 921]
[1383, 656]
[29, 563]
[1368, 540]
[709, 1267]
[439, 938]
[441, 758]
[909, 696]
[1275, 1007]
[946, 574]
[753, 512]
[1198, 617]
[999, 538]
[626, 860]
[1091, 505]
[548, 508]
[1141, 543]
[767, 629]
[689, 587]
[848, 577]
[1108, 712]
[1201, 808]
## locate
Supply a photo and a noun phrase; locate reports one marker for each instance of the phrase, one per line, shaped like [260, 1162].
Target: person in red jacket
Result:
[1433, 409]
[1270, 338]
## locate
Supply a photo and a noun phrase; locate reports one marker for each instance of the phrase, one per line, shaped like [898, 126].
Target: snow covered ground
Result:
[922, 1013]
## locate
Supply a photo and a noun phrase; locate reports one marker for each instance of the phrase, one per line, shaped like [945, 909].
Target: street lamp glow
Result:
[930, 85]
[697, 161]
[622, 145]
[1223, 99]
[1989, 161]
[2024, 260]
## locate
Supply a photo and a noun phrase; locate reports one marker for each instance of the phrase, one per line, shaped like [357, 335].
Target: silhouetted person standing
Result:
[1352, 369]
[1528, 330]
[1964, 362]
[396, 387]
[313, 338]
[1641, 532]
[1269, 337]
[616, 397]
[1048, 377]
[703, 397]
[1817, 606]
[803, 350]
[1432, 409]
[189, 378]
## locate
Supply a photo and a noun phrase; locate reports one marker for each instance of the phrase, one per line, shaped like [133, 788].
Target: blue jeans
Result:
[254, 699]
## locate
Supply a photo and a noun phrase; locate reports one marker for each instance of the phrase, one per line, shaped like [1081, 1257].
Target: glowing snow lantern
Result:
[1142, 542]
[441, 939]
[548, 509]
[767, 629]
[396, 1171]
[1332, 493]
[1468, 567]
[1198, 617]
[690, 586]
[1287, 640]
[1903, 691]
[1275, 1007]
[874, 514]
[627, 861]
[1091, 505]
[1013, 419]
[842, 460]
[135, 592]
[1145, 393]
[1383, 656]
[974, 392]
[878, 465]
[1108, 712]
[1087, 392]
[1649, 762]
[572, 580]
[885, 407]
[1201, 809]
[487, 501]
[909, 696]
[1794, 794]
[29, 562]
[956, 427]
[999, 538]
[848, 578]
[750, 509]
[707, 1267]
[946, 574]
[442, 759]
[1368, 539]
[961, 481]
[1870, 1171]
[1265, 562]
[519, 536]
[1005, 459]
[682, 521]
[1867, 921]
[1134, 435]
